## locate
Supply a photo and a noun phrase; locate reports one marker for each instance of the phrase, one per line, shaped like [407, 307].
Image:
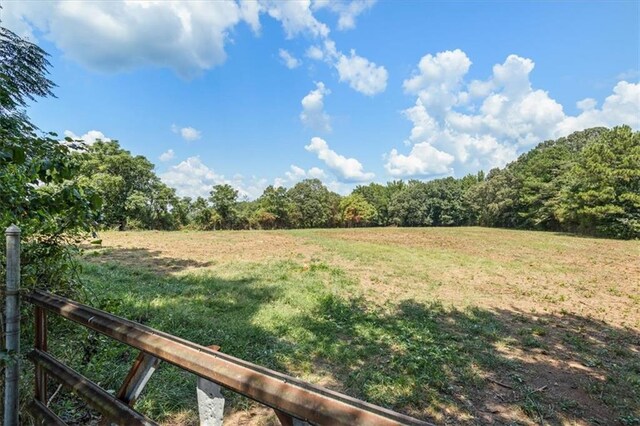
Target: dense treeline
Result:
[588, 182]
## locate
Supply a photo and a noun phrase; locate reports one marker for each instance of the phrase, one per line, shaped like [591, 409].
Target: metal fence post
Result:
[12, 324]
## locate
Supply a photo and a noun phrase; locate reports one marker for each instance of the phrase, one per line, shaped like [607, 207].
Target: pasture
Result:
[454, 325]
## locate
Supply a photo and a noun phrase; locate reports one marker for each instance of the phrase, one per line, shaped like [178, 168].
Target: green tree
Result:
[123, 181]
[495, 199]
[181, 210]
[224, 200]
[541, 174]
[356, 210]
[263, 219]
[202, 216]
[379, 196]
[275, 202]
[313, 205]
[602, 194]
[23, 77]
[409, 206]
[154, 208]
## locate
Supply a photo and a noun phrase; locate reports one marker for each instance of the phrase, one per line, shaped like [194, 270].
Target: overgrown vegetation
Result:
[39, 186]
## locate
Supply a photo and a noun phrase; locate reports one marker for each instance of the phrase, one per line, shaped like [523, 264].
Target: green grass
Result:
[313, 319]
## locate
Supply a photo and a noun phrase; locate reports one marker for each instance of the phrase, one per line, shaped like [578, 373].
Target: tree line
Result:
[587, 182]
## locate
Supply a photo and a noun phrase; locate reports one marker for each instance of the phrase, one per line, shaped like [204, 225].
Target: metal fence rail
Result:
[286, 394]
[99, 399]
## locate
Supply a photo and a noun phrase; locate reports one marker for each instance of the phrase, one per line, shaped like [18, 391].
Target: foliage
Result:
[276, 203]
[313, 205]
[356, 210]
[133, 195]
[224, 198]
[39, 189]
[586, 182]
[602, 195]
[379, 196]
[23, 78]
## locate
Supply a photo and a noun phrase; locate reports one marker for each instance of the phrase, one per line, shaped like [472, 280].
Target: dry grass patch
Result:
[494, 268]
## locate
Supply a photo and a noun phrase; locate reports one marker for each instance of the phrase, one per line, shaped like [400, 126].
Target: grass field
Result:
[453, 325]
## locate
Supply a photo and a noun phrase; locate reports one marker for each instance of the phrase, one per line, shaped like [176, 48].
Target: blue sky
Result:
[271, 92]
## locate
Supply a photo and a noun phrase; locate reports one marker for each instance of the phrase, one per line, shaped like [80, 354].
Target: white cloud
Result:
[362, 75]
[423, 160]
[314, 52]
[188, 37]
[438, 79]
[347, 11]
[587, 104]
[89, 138]
[249, 188]
[190, 134]
[631, 74]
[296, 174]
[621, 107]
[347, 169]
[445, 69]
[296, 17]
[313, 114]
[167, 156]
[460, 127]
[192, 178]
[288, 59]
[187, 133]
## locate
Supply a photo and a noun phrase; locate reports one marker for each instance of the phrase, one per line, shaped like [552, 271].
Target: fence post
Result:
[12, 324]
[210, 400]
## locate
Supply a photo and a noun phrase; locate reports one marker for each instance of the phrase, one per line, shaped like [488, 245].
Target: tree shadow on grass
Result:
[146, 259]
[203, 308]
[481, 367]
[450, 366]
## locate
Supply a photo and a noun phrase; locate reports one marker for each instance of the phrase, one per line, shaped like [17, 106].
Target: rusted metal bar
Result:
[43, 415]
[41, 344]
[288, 420]
[302, 400]
[110, 407]
[143, 368]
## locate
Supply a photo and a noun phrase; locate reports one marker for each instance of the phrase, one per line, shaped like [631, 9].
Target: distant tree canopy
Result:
[587, 182]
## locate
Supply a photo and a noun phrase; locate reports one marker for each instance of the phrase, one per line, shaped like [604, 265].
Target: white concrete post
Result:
[210, 403]
[12, 324]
